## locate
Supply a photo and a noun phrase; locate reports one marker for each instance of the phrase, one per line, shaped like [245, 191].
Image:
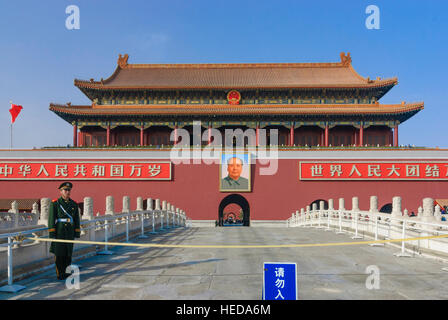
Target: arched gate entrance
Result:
[239, 200]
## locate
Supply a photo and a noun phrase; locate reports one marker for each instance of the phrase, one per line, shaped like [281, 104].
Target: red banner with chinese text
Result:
[85, 170]
[360, 170]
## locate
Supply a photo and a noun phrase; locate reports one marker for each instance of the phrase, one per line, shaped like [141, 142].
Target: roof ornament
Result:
[123, 60]
[346, 59]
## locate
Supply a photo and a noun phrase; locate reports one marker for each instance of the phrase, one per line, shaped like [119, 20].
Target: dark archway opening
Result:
[223, 217]
[387, 208]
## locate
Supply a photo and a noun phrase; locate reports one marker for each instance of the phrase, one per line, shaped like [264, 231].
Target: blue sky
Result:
[40, 57]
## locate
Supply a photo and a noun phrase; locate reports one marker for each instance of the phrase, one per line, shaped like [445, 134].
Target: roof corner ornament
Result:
[123, 61]
[346, 60]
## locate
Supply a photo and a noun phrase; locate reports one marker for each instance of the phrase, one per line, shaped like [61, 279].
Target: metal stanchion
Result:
[340, 223]
[11, 288]
[153, 224]
[142, 236]
[161, 222]
[106, 251]
[127, 228]
[328, 221]
[167, 220]
[376, 235]
[356, 236]
[402, 253]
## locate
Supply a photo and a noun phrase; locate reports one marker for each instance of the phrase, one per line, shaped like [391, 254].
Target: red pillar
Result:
[291, 136]
[361, 135]
[108, 135]
[257, 136]
[75, 135]
[141, 136]
[326, 135]
[81, 139]
[175, 135]
[209, 134]
[396, 135]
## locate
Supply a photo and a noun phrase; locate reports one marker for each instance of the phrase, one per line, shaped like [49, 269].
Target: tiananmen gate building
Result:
[335, 140]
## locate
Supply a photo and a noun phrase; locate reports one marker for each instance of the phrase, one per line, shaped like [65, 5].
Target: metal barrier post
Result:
[167, 219]
[356, 236]
[153, 226]
[161, 221]
[340, 223]
[11, 288]
[142, 236]
[127, 228]
[328, 221]
[106, 231]
[402, 253]
[376, 235]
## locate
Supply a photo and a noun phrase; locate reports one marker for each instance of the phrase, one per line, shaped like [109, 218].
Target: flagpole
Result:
[10, 126]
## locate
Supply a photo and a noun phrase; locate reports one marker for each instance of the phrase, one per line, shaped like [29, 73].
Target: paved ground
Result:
[323, 272]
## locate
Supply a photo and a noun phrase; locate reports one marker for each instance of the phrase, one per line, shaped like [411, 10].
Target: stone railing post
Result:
[396, 207]
[149, 204]
[355, 204]
[373, 204]
[139, 204]
[321, 205]
[35, 208]
[168, 211]
[14, 207]
[314, 209]
[330, 204]
[15, 210]
[110, 207]
[88, 215]
[341, 204]
[126, 204]
[428, 212]
[396, 210]
[44, 211]
[88, 209]
[110, 210]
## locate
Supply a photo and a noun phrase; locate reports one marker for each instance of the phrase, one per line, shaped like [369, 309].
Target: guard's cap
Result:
[66, 185]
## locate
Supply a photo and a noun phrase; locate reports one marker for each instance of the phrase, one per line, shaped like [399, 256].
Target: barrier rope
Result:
[302, 245]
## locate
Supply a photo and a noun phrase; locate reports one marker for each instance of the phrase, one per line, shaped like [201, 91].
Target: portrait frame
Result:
[245, 157]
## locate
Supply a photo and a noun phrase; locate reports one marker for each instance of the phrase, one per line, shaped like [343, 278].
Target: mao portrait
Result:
[235, 172]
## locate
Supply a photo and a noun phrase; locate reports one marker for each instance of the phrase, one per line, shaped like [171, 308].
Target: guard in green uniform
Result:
[63, 223]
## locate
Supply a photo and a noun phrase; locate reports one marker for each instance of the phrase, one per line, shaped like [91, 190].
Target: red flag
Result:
[14, 111]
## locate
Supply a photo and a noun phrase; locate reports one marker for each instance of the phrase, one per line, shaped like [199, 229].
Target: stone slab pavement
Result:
[192, 273]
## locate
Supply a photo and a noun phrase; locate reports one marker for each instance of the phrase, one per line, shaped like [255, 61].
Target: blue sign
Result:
[280, 281]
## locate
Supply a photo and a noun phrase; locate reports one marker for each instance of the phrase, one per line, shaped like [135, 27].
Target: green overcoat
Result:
[68, 230]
